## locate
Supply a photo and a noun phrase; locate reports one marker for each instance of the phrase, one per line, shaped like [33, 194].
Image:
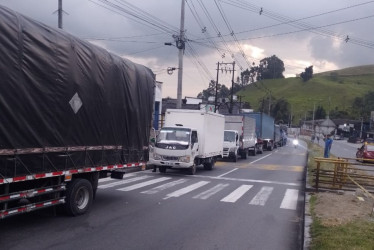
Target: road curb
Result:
[307, 214]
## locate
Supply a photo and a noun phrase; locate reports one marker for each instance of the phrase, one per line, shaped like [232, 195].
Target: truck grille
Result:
[225, 152]
[170, 158]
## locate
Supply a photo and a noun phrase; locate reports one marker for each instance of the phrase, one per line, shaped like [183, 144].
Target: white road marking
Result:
[205, 195]
[143, 184]
[260, 158]
[227, 172]
[106, 179]
[262, 196]
[117, 183]
[163, 187]
[246, 180]
[186, 190]
[290, 199]
[237, 193]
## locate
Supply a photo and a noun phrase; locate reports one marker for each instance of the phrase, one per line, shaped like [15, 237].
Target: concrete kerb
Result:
[307, 213]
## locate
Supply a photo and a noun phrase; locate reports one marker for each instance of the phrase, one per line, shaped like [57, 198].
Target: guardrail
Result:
[344, 174]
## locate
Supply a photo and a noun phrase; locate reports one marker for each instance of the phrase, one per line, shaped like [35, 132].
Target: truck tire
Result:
[253, 152]
[209, 165]
[79, 196]
[192, 170]
[162, 169]
[243, 154]
[235, 158]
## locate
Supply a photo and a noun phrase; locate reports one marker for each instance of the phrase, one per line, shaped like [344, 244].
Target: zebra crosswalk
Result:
[172, 188]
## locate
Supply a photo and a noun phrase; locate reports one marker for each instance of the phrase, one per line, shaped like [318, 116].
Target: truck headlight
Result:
[184, 158]
[156, 156]
[232, 149]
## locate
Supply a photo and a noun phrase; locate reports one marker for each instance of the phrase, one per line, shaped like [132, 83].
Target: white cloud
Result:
[143, 45]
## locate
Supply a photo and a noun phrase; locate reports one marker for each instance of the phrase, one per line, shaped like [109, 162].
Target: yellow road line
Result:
[271, 167]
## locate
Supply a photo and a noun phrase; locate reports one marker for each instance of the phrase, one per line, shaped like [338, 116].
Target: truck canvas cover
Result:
[67, 103]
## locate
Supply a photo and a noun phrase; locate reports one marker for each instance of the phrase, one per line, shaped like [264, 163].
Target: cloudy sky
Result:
[301, 33]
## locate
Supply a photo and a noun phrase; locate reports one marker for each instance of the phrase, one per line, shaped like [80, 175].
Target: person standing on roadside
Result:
[328, 143]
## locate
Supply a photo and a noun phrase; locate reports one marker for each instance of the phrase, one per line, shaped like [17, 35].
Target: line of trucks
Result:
[191, 138]
[72, 113]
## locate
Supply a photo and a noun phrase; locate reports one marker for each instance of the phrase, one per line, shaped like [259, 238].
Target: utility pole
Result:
[232, 81]
[180, 46]
[314, 108]
[269, 103]
[59, 11]
[215, 99]
[362, 121]
[232, 87]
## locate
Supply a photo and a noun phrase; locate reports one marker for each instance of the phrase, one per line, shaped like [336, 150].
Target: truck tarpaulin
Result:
[57, 91]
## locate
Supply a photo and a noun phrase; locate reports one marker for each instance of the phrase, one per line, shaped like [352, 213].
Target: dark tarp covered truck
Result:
[70, 113]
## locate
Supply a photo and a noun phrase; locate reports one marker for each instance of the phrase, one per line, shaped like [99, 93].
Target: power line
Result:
[203, 28]
[136, 15]
[206, 12]
[232, 33]
[296, 22]
[368, 45]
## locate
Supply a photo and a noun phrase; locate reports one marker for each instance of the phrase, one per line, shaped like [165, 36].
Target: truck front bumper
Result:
[171, 164]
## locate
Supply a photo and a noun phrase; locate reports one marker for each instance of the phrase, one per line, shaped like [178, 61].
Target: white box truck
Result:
[188, 139]
[240, 137]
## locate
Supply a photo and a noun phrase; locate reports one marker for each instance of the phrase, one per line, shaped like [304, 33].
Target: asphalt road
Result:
[255, 203]
[342, 148]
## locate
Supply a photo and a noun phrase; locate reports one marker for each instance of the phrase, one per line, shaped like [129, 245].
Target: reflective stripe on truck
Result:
[69, 172]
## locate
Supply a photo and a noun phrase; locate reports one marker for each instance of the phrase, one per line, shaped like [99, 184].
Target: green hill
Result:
[333, 90]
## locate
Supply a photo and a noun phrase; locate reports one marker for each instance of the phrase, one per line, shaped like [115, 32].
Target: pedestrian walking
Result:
[328, 143]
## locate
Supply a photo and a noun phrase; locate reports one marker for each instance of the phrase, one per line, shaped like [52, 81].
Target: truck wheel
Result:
[244, 154]
[79, 196]
[235, 158]
[193, 170]
[209, 165]
[253, 152]
[162, 169]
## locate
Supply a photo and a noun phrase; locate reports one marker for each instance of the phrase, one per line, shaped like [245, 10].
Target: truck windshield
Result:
[229, 136]
[177, 137]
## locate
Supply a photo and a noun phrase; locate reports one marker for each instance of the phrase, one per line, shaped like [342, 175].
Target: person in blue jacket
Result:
[328, 143]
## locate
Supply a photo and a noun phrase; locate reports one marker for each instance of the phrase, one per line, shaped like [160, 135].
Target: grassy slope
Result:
[340, 87]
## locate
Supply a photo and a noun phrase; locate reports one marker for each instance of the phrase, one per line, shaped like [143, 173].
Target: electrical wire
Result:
[304, 26]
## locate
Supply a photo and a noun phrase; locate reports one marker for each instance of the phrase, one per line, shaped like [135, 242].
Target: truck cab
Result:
[175, 147]
[231, 144]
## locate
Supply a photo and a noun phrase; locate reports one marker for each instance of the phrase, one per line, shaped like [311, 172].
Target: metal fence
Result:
[344, 174]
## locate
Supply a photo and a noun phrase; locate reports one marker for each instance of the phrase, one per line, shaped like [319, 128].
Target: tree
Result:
[222, 91]
[210, 91]
[307, 74]
[320, 113]
[281, 110]
[364, 105]
[271, 68]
